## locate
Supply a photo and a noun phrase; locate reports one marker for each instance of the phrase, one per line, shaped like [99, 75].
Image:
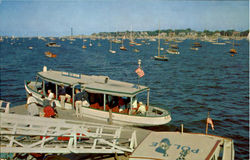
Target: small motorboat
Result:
[52, 44]
[233, 51]
[194, 48]
[50, 55]
[136, 50]
[123, 48]
[172, 51]
[112, 51]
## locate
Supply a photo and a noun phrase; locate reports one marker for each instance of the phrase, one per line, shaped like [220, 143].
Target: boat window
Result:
[95, 98]
[68, 90]
[39, 84]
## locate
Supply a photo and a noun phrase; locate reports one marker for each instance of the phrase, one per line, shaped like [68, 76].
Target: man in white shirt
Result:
[31, 105]
[51, 95]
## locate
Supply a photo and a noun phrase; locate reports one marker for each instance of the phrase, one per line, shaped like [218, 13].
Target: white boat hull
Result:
[125, 119]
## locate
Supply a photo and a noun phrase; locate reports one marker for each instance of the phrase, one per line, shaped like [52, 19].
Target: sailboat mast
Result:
[131, 34]
[110, 43]
[159, 41]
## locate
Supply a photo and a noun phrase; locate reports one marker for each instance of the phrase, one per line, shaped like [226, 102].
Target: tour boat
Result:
[103, 97]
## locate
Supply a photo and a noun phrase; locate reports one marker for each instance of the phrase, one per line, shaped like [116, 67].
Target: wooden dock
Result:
[141, 134]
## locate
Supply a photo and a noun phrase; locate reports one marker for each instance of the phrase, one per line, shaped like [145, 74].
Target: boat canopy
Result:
[94, 84]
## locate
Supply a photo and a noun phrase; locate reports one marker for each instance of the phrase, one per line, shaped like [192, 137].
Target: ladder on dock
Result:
[29, 134]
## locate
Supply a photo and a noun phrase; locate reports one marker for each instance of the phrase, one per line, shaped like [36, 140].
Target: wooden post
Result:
[181, 128]
[148, 97]
[110, 116]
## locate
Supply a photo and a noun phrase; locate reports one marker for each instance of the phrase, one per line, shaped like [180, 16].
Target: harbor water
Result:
[189, 85]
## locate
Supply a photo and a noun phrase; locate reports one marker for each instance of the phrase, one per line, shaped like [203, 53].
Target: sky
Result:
[57, 17]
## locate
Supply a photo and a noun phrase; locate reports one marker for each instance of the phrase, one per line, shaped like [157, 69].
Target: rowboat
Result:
[104, 97]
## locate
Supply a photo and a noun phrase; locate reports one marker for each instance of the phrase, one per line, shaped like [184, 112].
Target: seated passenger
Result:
[121, 104]
[134, 104]
[141, 109]
[51, 95]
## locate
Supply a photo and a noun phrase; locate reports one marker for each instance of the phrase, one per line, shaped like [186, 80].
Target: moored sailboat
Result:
[160, 57]
[122, 47]
[110, 49]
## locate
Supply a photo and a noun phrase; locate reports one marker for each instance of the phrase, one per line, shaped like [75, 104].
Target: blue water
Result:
[189, 85]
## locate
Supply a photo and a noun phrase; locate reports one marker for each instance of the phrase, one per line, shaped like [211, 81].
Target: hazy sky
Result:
[56, 17]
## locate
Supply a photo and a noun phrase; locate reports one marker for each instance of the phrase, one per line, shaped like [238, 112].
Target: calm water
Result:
[189, 85]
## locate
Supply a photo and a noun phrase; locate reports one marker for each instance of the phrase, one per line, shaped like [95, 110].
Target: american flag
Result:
[209, 121]
[140, 72]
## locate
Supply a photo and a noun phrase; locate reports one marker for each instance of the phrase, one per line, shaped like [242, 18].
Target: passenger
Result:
[134, 103]
[62, 94]
[80, 100]
[142, 109]
[121, 104]
[51, 95]
[46, 102]
[68, 91]
[31, 105]
[50, 111]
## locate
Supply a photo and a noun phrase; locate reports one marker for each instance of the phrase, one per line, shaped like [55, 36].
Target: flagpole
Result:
[207, 123]
[138, 77]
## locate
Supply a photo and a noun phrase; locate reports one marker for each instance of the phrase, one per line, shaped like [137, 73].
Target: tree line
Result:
[230, 32]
